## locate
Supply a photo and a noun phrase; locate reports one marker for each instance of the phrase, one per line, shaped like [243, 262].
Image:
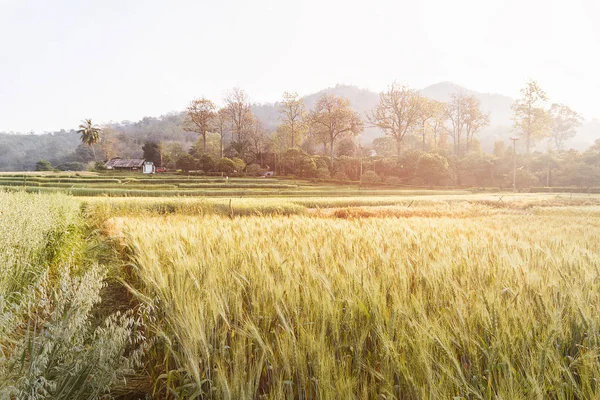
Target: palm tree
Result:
[90, 134]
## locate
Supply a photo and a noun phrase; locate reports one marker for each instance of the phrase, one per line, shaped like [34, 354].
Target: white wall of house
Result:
[148, 167]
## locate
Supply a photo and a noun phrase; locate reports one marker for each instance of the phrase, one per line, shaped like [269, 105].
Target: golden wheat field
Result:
[471, 300]
[482, 296]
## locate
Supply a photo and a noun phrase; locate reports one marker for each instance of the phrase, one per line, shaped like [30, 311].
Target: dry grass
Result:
[503, 305]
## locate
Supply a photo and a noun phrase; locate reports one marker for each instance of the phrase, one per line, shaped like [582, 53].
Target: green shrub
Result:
[370, 177]
[99, 166]
[254, 170]
[43, 165]
[340, 176]
[225, 165]
[323, 173]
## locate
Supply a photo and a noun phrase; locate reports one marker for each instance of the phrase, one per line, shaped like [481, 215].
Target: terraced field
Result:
[130, 185]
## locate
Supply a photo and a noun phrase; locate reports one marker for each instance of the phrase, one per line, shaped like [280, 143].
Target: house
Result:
[148, 167]
[125, 164]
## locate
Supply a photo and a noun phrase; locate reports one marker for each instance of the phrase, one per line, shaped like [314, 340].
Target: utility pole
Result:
[361, 161]
[514, 139]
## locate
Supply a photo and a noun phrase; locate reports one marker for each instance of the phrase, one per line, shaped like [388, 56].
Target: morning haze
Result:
[309, 200]
[123, 60]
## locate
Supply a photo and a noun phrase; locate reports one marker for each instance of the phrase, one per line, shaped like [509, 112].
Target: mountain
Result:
[497, 105]
[362, 100]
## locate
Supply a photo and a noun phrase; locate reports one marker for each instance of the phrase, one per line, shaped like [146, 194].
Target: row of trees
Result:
[306, 142]
[534, 120]
[331, 120]
[402, 113]
[416, 167]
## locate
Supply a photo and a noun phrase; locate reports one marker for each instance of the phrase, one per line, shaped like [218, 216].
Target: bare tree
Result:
[438, 123]
[397, 112]
[456, 111]
[240, 116]
[199, 118]
[293, 115]
[564, 124]
[427, 112]
[475, 119]
[530, 116]
[258, 141]
[333, 118]
[108, 141]
[220, 122]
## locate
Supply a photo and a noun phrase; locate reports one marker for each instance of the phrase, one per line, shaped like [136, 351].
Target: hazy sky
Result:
[65, 60]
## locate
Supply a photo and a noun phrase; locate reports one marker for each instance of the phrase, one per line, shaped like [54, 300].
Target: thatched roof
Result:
[125, 163]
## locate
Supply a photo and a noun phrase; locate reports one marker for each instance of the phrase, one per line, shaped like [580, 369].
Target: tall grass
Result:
[297, 307]
[50, 345]
[31, 230]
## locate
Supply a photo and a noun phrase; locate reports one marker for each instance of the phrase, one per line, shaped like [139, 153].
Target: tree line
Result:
[425, 141]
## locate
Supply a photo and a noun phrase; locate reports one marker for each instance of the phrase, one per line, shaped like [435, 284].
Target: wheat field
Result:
[373, 297]
[496, 305]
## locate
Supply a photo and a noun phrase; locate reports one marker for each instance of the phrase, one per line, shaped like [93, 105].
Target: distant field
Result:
[193, 186]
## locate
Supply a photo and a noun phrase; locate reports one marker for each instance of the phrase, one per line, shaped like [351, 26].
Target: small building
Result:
[148, 167]
[125, 164]
[268, 174]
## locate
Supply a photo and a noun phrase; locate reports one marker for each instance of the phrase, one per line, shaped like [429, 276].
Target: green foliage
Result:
[99, 166]
[153, 152]
[525, 179]
[348, 166]
[254, 170]
[71, 166]
[206, 162]
[43, 165]
[225, 165]
[476, 169]
[346, 147]
[298, 162]
[239, 164]
[370, 177]
[90, 134]
[186, 163]
[499, 148]
[340, 176]
[431, 168]
[531, 119]
[385, 146]
[323, 173]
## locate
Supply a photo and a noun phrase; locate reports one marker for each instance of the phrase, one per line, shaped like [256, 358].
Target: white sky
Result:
[65, 60]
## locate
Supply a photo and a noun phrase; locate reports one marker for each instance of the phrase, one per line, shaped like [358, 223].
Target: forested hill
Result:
[22, 151]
